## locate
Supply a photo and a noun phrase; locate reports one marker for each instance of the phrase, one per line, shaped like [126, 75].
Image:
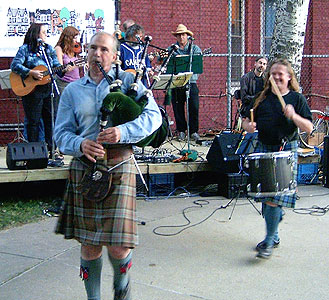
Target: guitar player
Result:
[37, 104]
[131, 53]
[184, 39]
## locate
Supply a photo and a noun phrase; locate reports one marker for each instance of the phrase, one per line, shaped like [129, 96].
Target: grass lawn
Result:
[14, 212]
[22, 203]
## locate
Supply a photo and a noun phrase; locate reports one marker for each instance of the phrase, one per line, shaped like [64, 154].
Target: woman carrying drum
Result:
[277, 122]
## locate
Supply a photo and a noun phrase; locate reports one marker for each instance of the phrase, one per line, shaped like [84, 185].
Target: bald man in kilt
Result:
[110, 221]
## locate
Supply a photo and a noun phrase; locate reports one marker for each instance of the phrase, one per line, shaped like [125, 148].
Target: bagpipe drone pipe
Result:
[124, 107]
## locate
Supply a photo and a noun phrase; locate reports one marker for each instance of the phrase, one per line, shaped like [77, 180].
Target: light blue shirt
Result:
[78, 115]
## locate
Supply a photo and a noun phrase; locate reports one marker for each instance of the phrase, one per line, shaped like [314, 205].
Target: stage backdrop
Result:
[17, 15]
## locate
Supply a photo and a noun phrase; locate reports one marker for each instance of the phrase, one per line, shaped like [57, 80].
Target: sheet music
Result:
[4, 79]
[177, 80]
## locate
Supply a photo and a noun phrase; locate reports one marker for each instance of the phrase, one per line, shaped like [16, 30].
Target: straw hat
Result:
[182, 29]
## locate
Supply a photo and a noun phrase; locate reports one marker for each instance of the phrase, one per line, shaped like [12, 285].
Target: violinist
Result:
[68, 50]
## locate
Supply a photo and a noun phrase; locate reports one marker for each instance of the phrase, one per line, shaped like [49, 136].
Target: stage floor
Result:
[172, 147]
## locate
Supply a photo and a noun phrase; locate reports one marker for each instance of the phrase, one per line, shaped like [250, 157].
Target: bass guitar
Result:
[22, 87]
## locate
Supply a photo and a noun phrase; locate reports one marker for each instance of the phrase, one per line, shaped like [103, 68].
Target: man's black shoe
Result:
[263, 245]
[265, 252]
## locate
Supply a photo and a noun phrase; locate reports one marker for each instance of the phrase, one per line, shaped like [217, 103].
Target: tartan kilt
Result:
[286, 200]
[110, 222]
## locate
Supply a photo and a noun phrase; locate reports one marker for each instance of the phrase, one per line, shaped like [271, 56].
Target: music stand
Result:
[246, 146]
[5, 85]
[178, 80]
[181, 63]
[169, 81]
[186, 63]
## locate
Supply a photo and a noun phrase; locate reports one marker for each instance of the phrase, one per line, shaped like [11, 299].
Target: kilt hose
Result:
[110, 222]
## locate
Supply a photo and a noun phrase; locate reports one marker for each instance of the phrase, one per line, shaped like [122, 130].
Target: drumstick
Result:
[252, 115]
[277, 92]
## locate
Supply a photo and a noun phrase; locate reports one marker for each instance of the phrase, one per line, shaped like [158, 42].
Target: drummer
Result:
[277, 122]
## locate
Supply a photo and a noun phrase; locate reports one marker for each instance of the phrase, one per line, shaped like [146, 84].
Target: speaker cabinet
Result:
[231, 185]
[221, 154]
[22, 156]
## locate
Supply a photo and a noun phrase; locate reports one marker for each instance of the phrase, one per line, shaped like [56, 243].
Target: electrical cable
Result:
[315, 210]
[198, 204]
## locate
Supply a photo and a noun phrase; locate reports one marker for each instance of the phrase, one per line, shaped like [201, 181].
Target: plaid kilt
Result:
[286, 200]
[110, 222]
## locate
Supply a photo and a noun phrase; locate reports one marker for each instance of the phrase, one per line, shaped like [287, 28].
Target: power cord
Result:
[199, 204]
[313, 211]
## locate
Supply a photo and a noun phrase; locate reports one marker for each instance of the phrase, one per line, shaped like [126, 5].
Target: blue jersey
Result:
[131, 58]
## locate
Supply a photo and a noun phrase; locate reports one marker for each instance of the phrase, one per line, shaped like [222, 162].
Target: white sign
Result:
[17, 15]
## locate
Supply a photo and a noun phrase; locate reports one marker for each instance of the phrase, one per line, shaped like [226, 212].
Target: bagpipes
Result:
[124, 108]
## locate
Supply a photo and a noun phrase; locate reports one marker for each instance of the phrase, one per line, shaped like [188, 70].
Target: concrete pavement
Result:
[212, 260]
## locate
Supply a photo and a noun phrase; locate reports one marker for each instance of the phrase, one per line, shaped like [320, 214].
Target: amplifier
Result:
[221, 154]
[22, 156]
[231, 185]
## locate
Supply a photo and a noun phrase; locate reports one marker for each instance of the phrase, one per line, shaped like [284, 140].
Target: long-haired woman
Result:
[67, 50]
[37, 104]
[277, 130]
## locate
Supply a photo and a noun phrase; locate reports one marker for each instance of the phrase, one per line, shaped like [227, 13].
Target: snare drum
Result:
[270, 174]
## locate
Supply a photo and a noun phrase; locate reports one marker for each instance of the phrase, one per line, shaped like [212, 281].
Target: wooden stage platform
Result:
[173, 147]
[60, 173]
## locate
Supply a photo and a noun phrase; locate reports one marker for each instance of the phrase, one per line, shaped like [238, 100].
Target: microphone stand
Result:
[188, 89]
[52, 96]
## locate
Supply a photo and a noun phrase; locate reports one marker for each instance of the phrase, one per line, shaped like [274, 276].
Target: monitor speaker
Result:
[22, 156]
[221, 154]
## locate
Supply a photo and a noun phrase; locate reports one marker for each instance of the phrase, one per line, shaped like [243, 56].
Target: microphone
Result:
[81, 37]
[148, 38]
[191, 38]
[175, 47]
[139, 39]
[40, 42]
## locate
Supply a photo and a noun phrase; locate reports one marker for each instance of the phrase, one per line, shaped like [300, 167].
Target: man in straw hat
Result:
[183, 35]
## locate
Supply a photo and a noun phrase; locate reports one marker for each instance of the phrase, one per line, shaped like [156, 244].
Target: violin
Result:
[77, 48]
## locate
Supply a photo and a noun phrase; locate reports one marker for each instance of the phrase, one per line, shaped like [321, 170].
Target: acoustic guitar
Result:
[22, 87]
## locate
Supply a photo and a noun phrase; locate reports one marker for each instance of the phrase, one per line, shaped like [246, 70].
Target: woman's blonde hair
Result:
[292, 84]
